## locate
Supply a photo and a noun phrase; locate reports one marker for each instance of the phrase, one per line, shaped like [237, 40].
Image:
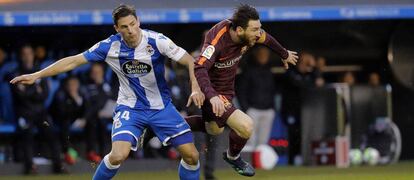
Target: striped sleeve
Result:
[168, 48]
[209, 53]
[210, 49]
[98, 51]
[273, 44]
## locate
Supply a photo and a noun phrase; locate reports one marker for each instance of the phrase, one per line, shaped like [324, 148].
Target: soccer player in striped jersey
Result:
[215, 70]
[137, 58]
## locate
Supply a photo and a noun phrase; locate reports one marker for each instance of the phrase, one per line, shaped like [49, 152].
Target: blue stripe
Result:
[142, 101]
[197, 15]
[158, 64]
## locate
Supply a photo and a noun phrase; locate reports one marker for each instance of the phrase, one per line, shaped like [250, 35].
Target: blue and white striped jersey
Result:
[140, 70]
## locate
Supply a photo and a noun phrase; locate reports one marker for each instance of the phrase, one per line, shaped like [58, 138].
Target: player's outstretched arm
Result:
[63, 65]
[288, 57]
[196, 95]
[291, 59]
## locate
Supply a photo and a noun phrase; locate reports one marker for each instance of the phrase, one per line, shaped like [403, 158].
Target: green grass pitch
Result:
[400, 171]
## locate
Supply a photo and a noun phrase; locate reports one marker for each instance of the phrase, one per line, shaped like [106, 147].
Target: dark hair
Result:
[123, 10]
[242, 15]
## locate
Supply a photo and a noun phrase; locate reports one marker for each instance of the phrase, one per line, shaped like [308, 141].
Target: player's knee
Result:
[191, 158]
[247, 129]
[215, 131]
[116, 158]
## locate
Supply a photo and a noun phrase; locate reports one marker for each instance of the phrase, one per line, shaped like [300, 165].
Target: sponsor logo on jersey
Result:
[134, 68]
[171, 45]
[227, 64]
[181, 124]
[123, 54]
[208, 52]
[174, 49]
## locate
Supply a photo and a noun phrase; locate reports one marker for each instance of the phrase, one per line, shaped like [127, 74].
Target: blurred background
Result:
[348, 102]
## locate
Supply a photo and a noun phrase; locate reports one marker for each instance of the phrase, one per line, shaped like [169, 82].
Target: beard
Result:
[244, 40]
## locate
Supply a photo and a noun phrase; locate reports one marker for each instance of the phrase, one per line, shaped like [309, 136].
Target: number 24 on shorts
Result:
[125, 115]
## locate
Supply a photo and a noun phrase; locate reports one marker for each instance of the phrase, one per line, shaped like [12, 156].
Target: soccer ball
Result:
[371, 156]
[265, 157]
[355, 156]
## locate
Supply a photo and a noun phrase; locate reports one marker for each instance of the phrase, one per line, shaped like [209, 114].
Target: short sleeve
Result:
[98, 51]
[168, 48]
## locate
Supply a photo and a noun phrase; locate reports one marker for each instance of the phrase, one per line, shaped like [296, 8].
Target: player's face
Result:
[128, 27]
[2, 56]
[27, 57]
[250, 35]
[97, 74]
[72, 85]
[262, 55]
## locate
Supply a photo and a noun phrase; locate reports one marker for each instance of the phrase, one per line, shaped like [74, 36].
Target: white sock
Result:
[232, 157]
[190, 167]
[108, 164]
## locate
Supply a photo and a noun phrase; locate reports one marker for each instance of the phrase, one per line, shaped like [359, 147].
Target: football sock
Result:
[236, 144]
[188, 172]
[105, 170]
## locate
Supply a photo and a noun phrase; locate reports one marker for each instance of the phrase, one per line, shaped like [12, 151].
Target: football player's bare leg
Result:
[197, 124]
[241, 129]
[213, 129]
[189, 168]
[119, 152]
[189, 153]
[112, 161]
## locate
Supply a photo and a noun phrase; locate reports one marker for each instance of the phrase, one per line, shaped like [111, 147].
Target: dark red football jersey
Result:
[216, 67]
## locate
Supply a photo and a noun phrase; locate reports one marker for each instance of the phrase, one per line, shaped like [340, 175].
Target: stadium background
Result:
[355, 36]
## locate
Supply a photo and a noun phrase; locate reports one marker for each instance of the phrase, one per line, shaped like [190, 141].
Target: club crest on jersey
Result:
[227, 103]
[134, 68]
[208, 52]
[149, 50]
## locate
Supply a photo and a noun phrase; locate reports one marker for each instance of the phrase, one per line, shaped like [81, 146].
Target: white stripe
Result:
[231, 157]
[126, 95]
[149, 82]
[173, 136]
[108, 164]
[190, 167]
[134, 148]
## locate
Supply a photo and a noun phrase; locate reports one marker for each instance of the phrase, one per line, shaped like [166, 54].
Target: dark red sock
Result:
[236, 143]
[196, 123]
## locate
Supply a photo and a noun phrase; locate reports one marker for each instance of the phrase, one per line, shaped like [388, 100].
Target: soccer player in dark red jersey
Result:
[215, 70]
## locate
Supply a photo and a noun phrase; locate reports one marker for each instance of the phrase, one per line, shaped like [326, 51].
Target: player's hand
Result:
[27, 79]
[197, 97]
[291, 59]
[218, 106]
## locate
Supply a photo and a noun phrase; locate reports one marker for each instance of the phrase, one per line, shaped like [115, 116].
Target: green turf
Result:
[400, 171]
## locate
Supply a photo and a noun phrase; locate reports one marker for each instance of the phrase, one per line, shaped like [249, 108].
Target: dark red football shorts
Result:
[208, 114]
